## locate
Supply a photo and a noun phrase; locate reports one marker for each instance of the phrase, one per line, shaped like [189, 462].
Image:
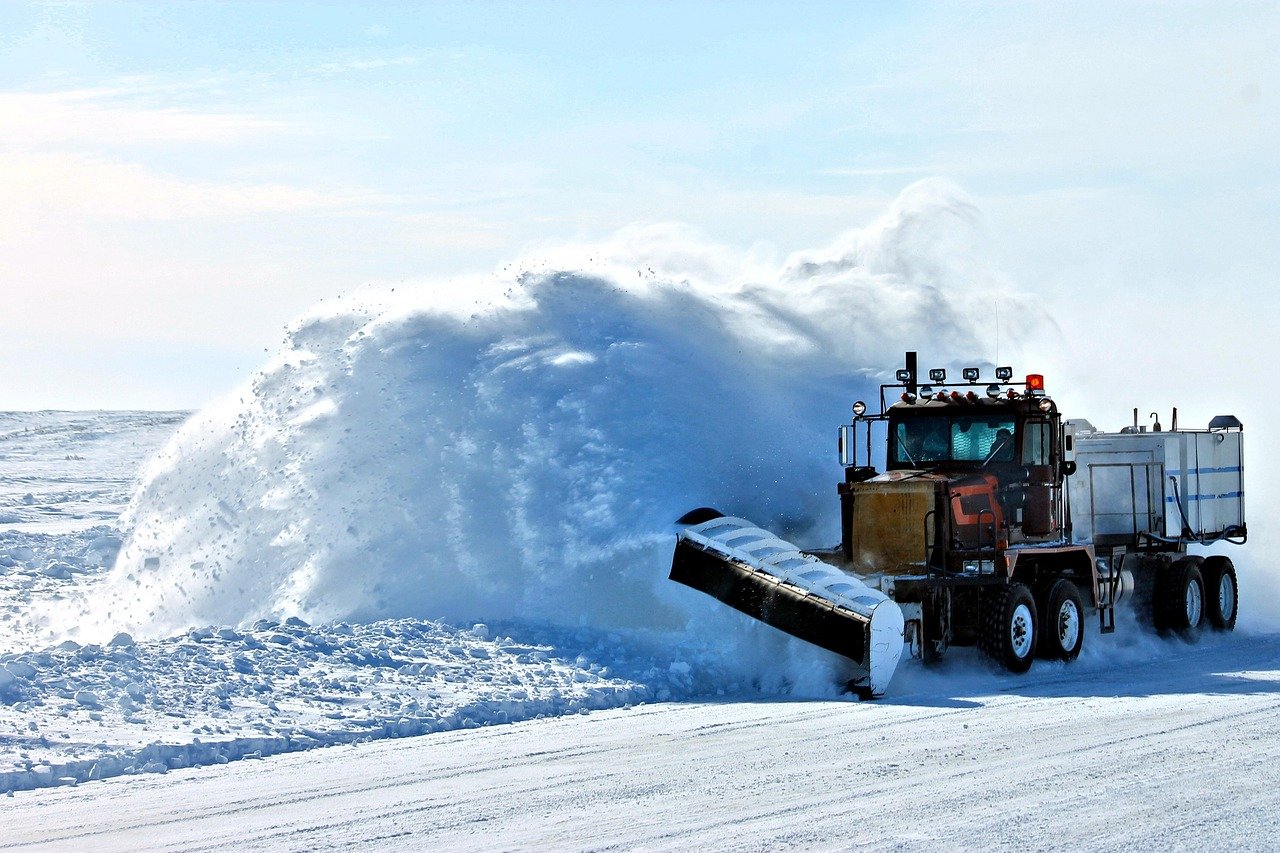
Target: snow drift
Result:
[518, 446]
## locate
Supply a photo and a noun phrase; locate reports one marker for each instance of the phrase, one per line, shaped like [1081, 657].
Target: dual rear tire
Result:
[1010, 626]
[1179, 598]
[1016, 628]
[1194, 593]
[1062, 607]
[1222, 596]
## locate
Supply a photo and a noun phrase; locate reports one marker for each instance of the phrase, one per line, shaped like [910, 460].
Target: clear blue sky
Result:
[178, 180]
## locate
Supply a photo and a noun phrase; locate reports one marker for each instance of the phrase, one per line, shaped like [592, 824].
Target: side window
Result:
[1036, 443]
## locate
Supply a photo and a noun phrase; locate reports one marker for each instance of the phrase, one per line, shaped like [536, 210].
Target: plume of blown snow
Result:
[517, 446]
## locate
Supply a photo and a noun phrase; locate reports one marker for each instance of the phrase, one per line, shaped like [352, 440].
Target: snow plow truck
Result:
[995, 523]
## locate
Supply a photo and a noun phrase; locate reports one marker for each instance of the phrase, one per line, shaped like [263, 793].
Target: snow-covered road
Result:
[1176, 753]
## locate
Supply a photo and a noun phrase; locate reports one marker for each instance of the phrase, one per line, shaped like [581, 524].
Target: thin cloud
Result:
[875, 171]
[102, 117]
[366, 64]
[66, 184]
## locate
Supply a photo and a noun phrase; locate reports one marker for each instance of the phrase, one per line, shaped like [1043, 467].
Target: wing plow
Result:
[772, 580]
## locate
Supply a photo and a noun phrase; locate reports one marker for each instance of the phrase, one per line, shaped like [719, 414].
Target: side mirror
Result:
[1068, 468]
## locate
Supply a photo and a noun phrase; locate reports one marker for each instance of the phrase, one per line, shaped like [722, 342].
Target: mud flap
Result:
[769, 579]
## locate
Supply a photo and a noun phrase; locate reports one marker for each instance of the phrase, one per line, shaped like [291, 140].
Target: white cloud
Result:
[66, 184]
[367, 64]
[104, 117]
[882, 171]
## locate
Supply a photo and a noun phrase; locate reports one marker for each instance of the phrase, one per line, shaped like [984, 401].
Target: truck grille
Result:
[888, 524]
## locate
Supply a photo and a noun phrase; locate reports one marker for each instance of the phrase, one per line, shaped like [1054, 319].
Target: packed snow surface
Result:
[1175, 751]
[71, 470]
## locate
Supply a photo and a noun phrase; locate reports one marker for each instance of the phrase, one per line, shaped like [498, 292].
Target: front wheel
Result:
[1009, 626]
[1221, 595]
[1062, 622]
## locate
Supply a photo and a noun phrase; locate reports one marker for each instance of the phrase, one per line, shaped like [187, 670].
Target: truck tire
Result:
[1179, 599]
[1009, 626]
[1221, 594]
[1061, 622]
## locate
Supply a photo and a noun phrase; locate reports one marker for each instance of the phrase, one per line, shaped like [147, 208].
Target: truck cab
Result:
[1004, 452]
[966, 477]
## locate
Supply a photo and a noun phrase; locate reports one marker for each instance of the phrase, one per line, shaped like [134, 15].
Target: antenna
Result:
[997, 361]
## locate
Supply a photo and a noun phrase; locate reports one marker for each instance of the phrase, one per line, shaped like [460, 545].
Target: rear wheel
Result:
[1009, 626]
[1221, 595]
[1179, 598]
[1061, 622]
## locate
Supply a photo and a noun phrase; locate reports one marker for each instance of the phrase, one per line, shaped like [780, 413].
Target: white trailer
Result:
[1135, 486]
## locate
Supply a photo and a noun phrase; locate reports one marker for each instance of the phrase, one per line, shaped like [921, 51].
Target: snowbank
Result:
[76, 713]
[517, 447]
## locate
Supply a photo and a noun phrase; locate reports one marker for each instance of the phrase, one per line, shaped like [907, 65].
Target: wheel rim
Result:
[1021, 631]
[1068, 625]
[1227, 597]
[1195, 603]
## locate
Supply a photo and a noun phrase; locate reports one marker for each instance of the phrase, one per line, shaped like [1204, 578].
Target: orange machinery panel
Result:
[975, 512]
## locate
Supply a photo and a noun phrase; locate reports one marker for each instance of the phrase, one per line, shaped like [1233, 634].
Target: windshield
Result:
[953, 438]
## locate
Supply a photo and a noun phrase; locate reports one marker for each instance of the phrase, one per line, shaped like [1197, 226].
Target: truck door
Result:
[1038, 517]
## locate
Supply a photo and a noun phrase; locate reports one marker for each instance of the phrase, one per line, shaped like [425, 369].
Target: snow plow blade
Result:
[769, 579]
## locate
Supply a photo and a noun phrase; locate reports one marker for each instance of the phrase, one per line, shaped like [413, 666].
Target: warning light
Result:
[1035, 384]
